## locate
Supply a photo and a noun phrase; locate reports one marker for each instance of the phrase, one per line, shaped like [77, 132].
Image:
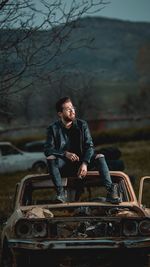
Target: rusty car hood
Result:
[124, 209]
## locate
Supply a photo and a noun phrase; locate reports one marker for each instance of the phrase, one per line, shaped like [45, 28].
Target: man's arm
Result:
[88, 147]
[50, 145]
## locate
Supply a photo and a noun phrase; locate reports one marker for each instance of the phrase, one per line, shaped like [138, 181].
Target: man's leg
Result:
[54, 166]
[101, 166]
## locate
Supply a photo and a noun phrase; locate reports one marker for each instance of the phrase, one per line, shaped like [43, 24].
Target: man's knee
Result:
[51, 161]
[100, 160]
[98, 156]
[51, 157]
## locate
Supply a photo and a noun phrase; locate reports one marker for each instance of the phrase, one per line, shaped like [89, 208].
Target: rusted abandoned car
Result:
[41, 230]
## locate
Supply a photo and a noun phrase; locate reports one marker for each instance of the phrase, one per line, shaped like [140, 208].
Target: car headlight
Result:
[144, 227]
[130, 228]
[23, 229]
[39, 229]
[31, 229]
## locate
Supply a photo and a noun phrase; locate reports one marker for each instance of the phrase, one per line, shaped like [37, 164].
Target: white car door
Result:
[11, 159]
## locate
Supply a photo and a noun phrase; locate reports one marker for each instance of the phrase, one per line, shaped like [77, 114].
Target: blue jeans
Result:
[60, 167]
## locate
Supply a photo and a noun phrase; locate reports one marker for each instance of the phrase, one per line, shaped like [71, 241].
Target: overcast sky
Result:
[130, 10]
[133, 10]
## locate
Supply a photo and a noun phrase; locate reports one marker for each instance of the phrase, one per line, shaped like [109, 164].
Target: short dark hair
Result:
[60, 102]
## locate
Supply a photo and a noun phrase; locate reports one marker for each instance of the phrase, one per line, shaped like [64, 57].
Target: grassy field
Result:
[136, 156]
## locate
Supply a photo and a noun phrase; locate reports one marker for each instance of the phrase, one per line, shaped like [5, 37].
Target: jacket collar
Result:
[74, 123]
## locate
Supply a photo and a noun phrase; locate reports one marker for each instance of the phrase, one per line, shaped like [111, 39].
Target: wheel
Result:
[39, 167]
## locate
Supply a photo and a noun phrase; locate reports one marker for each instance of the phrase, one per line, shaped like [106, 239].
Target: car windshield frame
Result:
[75, 189]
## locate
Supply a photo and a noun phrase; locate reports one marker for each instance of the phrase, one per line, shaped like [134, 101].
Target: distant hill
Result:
[115, 49]
[115, 57]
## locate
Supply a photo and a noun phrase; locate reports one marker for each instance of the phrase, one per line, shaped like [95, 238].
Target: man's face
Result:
[68, 112]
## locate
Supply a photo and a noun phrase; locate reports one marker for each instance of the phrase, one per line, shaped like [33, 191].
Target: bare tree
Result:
[84, 92]
[25, 51]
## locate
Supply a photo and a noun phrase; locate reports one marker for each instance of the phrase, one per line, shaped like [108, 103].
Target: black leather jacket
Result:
[56, 142]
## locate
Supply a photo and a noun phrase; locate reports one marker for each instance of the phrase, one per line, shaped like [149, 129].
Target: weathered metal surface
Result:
[92, 223]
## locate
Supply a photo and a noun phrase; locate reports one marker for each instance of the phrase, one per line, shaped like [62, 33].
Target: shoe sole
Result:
[59, 201]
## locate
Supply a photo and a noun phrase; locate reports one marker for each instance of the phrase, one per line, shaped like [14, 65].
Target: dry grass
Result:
[136, 156]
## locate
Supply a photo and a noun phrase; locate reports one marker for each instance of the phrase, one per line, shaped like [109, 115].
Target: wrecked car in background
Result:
[41, 229]
[34, 146]
[13, 159]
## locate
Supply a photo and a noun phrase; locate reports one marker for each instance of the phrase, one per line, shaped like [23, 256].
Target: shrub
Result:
[121, 135]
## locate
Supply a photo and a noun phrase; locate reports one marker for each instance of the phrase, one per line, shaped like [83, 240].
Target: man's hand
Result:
[71, 156]
[82, 170]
